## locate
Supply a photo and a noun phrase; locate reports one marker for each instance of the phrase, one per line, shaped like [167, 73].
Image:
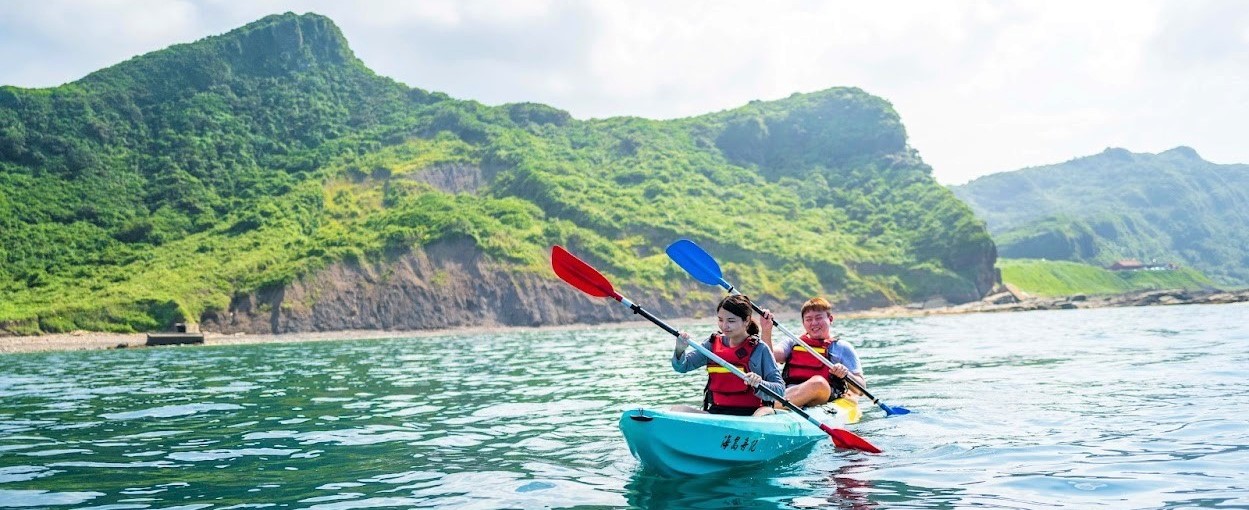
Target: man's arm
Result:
[858, 378]
[780, 351]
[855, 367]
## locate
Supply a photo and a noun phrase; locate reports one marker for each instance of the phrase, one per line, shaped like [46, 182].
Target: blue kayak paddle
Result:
[699, 264]
[588, 280]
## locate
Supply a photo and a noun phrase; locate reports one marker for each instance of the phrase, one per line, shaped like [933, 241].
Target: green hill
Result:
[1064, 278]
[1171, 207]
[174, 185]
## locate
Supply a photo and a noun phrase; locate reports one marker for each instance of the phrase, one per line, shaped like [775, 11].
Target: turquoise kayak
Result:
[690, 444]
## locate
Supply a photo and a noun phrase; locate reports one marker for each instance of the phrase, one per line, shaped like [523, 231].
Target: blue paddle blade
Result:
[892, 410]
[695, 261]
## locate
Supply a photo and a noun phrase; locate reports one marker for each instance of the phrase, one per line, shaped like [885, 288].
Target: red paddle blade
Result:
[843, 438]
[579, 274]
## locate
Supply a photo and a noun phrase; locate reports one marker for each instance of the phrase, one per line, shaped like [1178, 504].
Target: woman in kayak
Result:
[738, 343]
[808, 381]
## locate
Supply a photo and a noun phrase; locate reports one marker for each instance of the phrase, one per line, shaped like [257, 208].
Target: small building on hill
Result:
[1136, 265]
[1126, 265]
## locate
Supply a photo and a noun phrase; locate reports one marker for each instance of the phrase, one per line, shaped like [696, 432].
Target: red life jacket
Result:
[723, 388]
[802, 365]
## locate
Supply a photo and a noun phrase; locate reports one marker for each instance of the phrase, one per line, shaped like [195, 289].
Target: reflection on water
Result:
[851, 488]
[1122, 408]
[649, 491]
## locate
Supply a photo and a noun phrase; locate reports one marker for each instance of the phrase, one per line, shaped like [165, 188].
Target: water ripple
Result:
[1115, 408]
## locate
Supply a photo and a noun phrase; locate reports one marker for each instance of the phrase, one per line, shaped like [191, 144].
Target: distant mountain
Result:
[1167, 207]
[266, 180]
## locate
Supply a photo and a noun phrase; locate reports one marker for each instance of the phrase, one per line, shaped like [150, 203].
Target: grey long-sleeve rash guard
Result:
[761, 362]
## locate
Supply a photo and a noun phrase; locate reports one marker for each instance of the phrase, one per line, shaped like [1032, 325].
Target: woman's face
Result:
[730, 324]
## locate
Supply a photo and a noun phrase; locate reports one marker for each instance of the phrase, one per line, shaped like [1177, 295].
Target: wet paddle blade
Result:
[892, 410]
[695, 261]
[579, 274]
[843, 438]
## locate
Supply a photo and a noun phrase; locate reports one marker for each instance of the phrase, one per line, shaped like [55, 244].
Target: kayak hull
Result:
[691, 444]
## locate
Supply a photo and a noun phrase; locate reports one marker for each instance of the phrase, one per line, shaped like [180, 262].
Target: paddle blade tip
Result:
[892, 411]
[845, 439]
[558, 255]
[577, 273]
[696, 261]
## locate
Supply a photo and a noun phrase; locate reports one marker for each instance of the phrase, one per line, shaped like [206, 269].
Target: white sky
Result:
[982, 86]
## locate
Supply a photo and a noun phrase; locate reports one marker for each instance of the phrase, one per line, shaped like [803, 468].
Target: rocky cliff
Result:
[266, 180]
[445, 285]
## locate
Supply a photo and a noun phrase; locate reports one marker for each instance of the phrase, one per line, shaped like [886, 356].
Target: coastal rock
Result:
[445, 285]
[1001, 298]
[999, 303]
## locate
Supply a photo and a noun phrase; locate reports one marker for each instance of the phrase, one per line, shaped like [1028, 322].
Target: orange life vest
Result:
[802, 365]
[723, 388]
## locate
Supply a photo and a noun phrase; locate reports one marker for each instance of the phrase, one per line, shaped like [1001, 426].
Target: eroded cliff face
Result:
[446, 285]
[986, 276]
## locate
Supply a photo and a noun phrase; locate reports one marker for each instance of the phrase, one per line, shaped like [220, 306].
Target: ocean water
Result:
[1107, 408]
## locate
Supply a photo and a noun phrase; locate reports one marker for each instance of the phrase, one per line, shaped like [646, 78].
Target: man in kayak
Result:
[738, 343]
[808, 381]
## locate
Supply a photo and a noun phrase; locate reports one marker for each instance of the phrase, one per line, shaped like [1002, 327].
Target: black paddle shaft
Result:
[642, 311]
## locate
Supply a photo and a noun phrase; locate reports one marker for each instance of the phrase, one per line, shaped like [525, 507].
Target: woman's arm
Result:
[684, 359]
[761, 363]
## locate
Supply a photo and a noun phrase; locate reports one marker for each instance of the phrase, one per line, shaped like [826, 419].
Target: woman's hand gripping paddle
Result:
[699, 264]
[587, 279]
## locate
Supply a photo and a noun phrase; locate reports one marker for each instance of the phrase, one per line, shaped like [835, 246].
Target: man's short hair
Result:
[817, 304]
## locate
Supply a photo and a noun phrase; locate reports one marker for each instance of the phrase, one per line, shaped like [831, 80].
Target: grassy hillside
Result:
[1064, 278]
[1172, 207]
[159, 189]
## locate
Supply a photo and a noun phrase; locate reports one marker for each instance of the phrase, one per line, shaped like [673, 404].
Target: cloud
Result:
[982, 86]
[1203, 34]
[49, 43]
[491, 55]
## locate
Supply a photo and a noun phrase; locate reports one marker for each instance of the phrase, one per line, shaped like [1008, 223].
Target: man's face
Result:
[817, 323]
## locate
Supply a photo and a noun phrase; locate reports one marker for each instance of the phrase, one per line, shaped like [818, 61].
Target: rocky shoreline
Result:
[1009, 300]
[90, 340]
[1012, 300]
